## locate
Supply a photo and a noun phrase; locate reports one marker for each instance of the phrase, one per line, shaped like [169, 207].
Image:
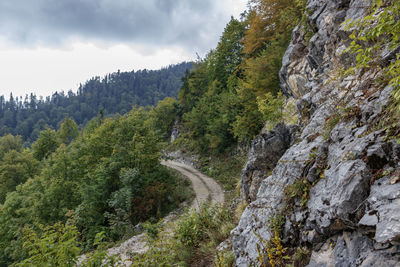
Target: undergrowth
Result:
[225, 169]
[191, 240]
[273, 253]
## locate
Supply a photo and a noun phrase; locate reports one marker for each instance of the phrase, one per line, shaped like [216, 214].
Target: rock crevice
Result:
[351, 214]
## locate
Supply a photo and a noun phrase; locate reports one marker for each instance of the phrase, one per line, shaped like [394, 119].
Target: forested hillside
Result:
[320, 80]
[115, 93]
[79, 184]
[230, 94]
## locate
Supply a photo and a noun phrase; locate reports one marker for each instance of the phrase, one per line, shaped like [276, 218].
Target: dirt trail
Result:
[205, 187]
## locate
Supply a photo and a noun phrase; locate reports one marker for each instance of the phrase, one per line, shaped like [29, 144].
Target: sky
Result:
[53, 45]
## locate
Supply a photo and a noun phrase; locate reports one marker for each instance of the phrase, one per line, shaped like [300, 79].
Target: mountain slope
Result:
[115, 93]
[334, 194]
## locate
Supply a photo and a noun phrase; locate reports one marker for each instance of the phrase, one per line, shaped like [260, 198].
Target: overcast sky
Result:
[53, 45]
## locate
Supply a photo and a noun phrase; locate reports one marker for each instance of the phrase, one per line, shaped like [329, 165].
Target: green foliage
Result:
[271, 107]
[15, 169]
[190, 230]
[299, 190]
[10, 142]
[164, 251]
[191, 239]
[272, 249]
[106, 180]
[99, 256]
[16, 164]
[276, 223]
[68, 131]
[131, 184]
[209, 223]
[265, 42]
[275, 252]
[208, 94]
[301, 256]
[379, 30]
[56, 245]
[164, 115]
[260, 82]
[46, 144]
[224, 168]
[114, 93]
[227, 97]
[225, 258]
[270, 20]
[151, 229]
[330, 123]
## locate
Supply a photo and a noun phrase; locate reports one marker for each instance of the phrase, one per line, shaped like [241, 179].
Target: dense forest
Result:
[103, 179]
[76, 187]
[230, 93]
[115, 93]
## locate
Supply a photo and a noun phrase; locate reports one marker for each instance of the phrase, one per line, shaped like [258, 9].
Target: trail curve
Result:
[205, 188]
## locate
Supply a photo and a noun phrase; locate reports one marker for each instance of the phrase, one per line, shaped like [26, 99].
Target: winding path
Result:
[206, 188]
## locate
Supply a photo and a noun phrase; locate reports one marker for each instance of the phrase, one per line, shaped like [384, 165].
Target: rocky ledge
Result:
[348, 170]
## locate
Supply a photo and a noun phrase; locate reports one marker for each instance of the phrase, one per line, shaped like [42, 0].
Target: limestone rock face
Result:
[351, 213]
[264, 153]
[353, 249]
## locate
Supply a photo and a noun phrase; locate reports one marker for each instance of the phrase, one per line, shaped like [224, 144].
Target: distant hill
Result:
[114, 93]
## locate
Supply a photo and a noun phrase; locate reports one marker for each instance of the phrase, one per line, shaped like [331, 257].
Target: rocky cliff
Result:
[336, 182]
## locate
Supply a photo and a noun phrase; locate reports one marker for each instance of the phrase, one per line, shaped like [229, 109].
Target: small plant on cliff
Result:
[274, 250]
[301, 257]
[377, 31]
[298, 190]
[330, 123]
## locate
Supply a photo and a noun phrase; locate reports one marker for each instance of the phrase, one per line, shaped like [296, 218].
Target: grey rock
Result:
[324, 257]
[384, 201]
[312, 174]
[369, 220]
[254, 221]
[225, 245]
[175, 132]
[388, 55]
[265, 151]
[376, 104]
[339, 195]
[313, 237]
[352, 201]
[353, 249]
[174, 135]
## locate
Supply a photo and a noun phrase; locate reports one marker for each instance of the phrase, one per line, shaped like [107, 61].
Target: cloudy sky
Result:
[53, 45]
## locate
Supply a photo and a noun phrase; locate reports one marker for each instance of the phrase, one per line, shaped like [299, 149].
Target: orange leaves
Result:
[270, 20]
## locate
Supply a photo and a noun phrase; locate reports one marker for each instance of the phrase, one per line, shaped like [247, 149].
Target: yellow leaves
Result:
[378, 3]
[269, 20]
[276, 251]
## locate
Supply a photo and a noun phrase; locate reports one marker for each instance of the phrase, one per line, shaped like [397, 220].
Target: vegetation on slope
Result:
[223, 99]
[107, 178]
[104, 179]
[114, 93]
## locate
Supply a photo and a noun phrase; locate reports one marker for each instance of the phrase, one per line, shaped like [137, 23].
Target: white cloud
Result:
[59, 44]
